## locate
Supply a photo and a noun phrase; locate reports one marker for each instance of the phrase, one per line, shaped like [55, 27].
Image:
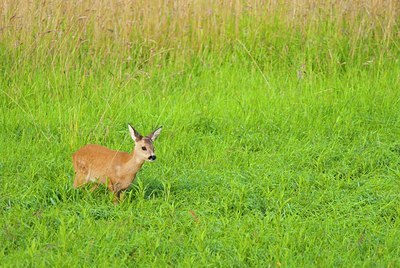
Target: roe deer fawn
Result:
[98, 164]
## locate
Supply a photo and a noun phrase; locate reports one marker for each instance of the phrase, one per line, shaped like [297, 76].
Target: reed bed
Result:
[132, 28]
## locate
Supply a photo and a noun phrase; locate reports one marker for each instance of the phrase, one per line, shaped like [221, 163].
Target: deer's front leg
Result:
[94, 187]
[116, 189]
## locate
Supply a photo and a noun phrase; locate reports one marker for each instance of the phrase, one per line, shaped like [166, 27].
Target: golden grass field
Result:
[187, 26]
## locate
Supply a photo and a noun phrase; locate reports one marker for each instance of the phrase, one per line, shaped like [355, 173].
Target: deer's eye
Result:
[144, 148]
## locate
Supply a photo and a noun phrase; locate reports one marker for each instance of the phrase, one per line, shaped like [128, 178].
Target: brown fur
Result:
[117, 170]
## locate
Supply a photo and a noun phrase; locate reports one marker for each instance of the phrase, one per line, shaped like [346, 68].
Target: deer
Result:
[115, 169]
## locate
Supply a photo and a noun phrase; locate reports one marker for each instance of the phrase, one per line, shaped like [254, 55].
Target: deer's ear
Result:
[134, 134]
[153, 136]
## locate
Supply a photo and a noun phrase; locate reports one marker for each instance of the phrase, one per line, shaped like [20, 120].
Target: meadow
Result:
[280, 144]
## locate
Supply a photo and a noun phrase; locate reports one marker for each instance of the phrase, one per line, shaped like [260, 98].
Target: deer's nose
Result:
[152, 157]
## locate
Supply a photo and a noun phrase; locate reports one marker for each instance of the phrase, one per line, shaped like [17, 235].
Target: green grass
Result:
[256, 165]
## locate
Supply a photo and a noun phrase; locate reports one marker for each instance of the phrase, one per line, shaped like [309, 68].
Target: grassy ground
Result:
[280, 153]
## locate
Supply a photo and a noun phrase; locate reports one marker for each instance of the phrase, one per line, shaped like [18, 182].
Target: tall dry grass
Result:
[179, 27]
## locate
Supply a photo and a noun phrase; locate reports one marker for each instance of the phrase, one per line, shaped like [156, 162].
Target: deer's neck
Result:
[134, 164]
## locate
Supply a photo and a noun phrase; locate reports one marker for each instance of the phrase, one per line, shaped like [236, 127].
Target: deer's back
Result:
[97, 158]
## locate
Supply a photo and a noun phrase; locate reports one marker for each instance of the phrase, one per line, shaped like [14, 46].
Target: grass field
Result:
[280, 146]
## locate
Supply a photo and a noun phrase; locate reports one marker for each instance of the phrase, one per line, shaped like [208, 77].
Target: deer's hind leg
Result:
[80, 179]
[81, 173]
